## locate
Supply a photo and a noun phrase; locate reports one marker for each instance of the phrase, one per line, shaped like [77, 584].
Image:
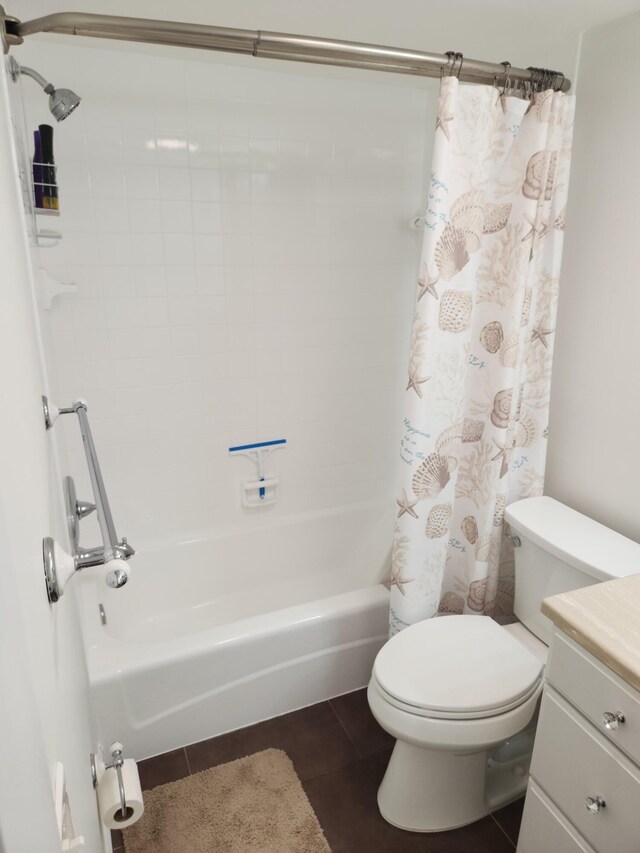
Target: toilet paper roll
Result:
[109, 796]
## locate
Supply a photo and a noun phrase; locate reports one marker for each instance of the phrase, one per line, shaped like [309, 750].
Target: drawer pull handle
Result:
[594, 804]
[612, 719]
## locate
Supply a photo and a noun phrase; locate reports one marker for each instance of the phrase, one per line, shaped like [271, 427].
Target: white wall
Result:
[237, 230]
[543, 34]
[240, 242]
[44, 712]
[593, 462]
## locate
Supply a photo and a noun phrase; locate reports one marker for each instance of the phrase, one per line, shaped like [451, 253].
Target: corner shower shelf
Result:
[41, 237]
[46, 238]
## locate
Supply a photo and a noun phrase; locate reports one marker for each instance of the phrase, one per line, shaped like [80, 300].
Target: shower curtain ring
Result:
[534, 80]
[507, 73]
[552, 76]
[450, 54]
[457, 58]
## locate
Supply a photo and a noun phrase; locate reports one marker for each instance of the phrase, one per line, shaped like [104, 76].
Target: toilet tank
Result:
[560, 550]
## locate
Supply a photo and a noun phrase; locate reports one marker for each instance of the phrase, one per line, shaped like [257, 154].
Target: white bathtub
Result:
[213, 634]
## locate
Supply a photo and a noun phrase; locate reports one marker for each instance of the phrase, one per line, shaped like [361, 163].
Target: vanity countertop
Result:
[605, 619]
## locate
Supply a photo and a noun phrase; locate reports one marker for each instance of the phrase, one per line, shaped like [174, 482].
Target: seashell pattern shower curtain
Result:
[477, 393]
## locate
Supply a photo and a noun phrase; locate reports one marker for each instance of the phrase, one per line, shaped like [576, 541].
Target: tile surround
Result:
[245, 271]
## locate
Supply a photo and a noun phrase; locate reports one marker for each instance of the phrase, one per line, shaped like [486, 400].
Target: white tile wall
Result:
[245, 272]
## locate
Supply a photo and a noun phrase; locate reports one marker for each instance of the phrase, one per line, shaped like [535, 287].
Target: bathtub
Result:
[216, 633]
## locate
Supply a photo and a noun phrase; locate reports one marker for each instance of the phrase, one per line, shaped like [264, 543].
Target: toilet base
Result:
[430, 790]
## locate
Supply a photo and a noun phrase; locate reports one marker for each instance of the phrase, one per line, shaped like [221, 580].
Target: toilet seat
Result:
[453, 715]
[456, 668]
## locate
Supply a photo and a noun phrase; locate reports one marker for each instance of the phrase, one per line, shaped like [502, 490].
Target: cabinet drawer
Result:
[545, 828]
[573, 761]
[595, 690]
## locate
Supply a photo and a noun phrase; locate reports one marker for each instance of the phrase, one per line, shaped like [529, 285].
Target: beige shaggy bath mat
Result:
[252, 805]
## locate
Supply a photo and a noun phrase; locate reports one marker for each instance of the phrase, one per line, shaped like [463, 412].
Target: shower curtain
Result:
[477, 390]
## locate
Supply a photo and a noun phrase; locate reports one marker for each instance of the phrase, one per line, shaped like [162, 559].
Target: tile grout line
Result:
[503, 831]
[344, 729]
[328, 772]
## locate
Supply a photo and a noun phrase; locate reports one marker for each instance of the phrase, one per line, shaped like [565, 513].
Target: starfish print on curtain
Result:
[477, 393]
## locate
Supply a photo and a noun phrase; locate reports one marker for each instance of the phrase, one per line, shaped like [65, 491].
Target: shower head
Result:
[62, 102]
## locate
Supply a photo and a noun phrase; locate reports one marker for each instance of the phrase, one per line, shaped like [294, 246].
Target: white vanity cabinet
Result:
[584, 792]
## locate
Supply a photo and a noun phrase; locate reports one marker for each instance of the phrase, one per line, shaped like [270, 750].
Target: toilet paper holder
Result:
[117, 760]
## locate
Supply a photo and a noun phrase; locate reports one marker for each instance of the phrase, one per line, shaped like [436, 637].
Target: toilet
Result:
[461, 693]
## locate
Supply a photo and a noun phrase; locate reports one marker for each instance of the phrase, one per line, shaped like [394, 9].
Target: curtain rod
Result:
[273, 45]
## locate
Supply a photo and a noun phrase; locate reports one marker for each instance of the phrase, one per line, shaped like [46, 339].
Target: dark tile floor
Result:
[340, 753]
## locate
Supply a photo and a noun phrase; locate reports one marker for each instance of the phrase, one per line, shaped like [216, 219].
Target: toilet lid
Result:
[457, 664]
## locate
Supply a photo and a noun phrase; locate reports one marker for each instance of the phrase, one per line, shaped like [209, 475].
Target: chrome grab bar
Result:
[103, 510]
[112, 548]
